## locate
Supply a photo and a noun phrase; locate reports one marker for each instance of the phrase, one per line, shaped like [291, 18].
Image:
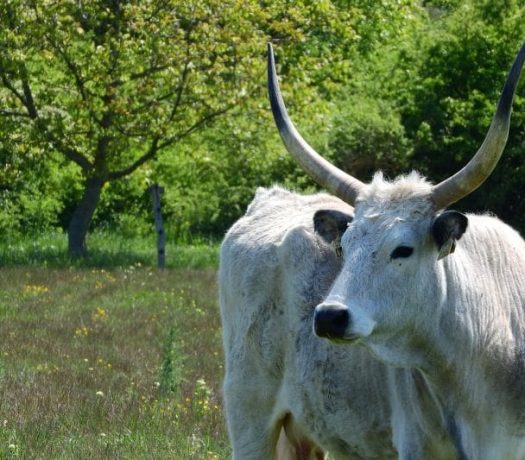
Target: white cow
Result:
[458, 317]
[274, 270]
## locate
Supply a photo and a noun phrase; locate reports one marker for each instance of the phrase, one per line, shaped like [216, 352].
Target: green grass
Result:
[106, 250]
[121, 363]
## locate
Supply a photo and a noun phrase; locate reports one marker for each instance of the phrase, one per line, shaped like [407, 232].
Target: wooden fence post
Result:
[156, 192]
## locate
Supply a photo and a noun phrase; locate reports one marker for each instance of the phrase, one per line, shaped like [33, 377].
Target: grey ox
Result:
[290, 394]
[432, 290]
[274, 270]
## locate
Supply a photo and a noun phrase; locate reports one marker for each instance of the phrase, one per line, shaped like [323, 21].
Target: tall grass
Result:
[109, 363]
[106, 250]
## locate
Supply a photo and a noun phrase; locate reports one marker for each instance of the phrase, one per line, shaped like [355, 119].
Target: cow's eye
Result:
[402, 251]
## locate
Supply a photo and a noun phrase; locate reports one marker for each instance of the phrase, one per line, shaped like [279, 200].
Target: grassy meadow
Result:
[110, 362]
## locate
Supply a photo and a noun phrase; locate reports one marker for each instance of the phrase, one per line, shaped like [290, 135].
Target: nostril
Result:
[331, 321]
[340, 318]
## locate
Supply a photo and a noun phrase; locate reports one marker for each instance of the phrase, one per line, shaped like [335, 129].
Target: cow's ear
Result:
[331, 224]
[447, 228]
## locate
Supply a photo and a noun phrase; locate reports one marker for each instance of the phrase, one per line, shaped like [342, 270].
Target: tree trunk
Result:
[79, 224]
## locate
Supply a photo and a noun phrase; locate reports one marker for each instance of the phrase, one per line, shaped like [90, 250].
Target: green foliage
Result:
[434, 92]
[368, 136]
[110, 85]
[463, 63]
[107, 79]
[389, 85]
[33, 192]
[210, 184]
[125, 207]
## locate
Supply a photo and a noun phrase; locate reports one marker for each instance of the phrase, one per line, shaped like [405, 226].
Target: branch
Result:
[152, 102]
[150, 153]
[67, 151]
[180, 90]
[32, 113]
[11, 88]
[205, 119]
[138, 75]
[27, 100]
[28, 96]
[148, 72]
[77, 76]
[79, 80]
[156, 145]
[13, 113]
[184, 75]
[74, 156]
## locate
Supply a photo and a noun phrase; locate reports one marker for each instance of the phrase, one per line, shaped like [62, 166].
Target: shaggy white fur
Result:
[460, 320]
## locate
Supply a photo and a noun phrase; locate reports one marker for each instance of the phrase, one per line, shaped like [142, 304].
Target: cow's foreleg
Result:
[251, 421]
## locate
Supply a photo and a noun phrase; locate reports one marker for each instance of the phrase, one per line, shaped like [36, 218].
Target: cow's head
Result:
[393, 255]
[395, 249]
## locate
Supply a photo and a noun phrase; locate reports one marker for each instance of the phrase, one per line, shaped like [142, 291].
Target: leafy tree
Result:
[110, 84]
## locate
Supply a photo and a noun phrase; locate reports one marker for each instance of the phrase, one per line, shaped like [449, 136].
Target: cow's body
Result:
[274, 270]
[460, 320]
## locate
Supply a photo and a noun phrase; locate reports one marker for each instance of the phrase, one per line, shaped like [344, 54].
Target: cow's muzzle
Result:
[331, 321]
[335, 321]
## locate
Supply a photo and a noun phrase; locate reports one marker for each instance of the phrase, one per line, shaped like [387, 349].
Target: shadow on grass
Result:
[105, 251]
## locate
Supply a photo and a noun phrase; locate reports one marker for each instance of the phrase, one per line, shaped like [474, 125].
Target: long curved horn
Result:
[474, 173]
[323, 172]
